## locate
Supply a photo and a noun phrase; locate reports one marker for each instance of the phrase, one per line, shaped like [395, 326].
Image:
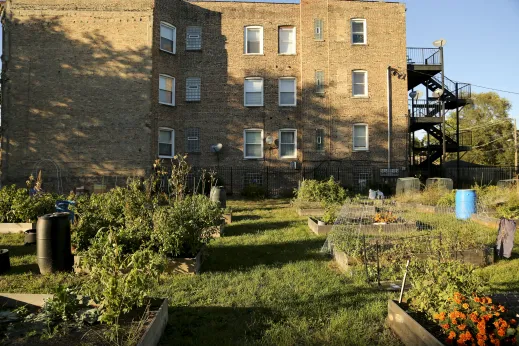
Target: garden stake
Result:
[403, 283]
[365, 259]
[378, 267]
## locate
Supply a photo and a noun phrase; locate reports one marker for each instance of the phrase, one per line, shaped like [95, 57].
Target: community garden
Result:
[270, 278]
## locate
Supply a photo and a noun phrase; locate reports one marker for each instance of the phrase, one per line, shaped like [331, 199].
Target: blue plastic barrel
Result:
[465, 204]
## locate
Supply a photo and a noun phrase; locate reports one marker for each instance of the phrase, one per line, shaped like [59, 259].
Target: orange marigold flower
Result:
[465, 306]
[501, 332]
[445, 326]
[489, 300]
[474, 317]
[452, 335]
[513, 321]
[483, 308]
[501, 308]
[481, 342]
[436, 316]
[477, 299]
[462, 326]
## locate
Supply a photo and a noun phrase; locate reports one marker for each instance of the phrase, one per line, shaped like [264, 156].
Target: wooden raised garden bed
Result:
[318, 229]
[153, 331]
[480, 257]
[387, 227]
[189, 266]
[228, 218]
[488, 221]
[410, 332]
[16, 227]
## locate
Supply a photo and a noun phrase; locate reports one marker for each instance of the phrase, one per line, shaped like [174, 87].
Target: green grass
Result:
[264, 283]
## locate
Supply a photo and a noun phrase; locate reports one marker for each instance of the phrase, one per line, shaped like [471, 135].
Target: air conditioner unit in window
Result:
[294, 165]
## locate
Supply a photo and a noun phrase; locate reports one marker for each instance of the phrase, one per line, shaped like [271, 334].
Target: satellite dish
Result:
[216, 148]
[440, 43]
[269, 140]
[438, 92]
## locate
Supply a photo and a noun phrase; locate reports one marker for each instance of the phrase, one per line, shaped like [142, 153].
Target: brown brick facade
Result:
[81, 83]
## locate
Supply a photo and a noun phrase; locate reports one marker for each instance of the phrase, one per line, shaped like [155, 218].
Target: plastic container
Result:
[218, 194]
[5, 264]
[465, 204]
[30, 237]
[63, 207]
[53, 243]
[407, 185]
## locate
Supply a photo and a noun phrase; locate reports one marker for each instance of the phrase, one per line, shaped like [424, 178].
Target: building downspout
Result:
[389, 115]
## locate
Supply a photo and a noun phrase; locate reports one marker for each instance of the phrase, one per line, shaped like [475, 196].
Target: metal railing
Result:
[424, 56]
[465, 138]
[424, 108]
[464, 89]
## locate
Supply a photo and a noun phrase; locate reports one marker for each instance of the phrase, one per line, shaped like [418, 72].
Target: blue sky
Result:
[482, 40]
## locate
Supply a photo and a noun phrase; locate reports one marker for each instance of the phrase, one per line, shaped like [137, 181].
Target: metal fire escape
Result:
[424, 66]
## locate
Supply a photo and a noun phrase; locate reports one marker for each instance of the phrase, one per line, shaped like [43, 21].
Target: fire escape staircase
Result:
[424, 67]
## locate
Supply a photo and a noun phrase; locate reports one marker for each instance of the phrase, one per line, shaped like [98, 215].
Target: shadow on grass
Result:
[23, 269]
[215, 325]
[245, 257]
[253, 228]
[239, 218]
[19, 250]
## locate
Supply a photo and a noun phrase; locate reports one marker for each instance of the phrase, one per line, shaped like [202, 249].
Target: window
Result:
[166, 90]
[253, 40]
[192, 140]
[168, 38]
[193, 38]
[287, 143]
[166, 142]
[319, 82]
[318, 29]
[253, 92]
[319, 139]
[360, 137]
[358, 31]
[287, 40]
[253, 144]
[193, 89]
[287, 92]
[360, 83]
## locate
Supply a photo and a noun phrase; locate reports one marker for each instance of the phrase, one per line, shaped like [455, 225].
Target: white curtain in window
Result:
[253, 92]
[253, 144]
[287, 92]
[288, 144]
[360, 136]
[287, 40]
[167, 37]
[253, 40]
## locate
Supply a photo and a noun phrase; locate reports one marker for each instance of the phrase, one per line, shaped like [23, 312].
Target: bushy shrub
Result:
[324, 192]
[254, 191]
[447, 200]
[17, 205]
[330, 213]
[185, 226]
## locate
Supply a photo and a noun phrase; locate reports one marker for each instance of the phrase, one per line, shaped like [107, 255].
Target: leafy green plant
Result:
[447, 200]
[434, 283]
[324, 192]
[330, 213]
[185, 226]
[63, 306]
[254, 191]
[17, 205]
[118, 281]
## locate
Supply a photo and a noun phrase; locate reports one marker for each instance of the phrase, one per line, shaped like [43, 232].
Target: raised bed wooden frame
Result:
[318, 229]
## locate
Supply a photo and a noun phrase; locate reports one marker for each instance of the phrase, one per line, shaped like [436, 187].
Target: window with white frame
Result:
[193, 38]
[193, 89]
[253, 144]
[288, 143]
[168, 38]
[287, 40]
[287, 92]
[253, 40]
[166, 142]
[253, 92]
[360, 137]
[358, 31]
[360, 83]
[166, 90]
[192, 139]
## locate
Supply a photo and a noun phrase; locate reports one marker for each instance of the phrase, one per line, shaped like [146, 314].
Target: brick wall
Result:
[81, 83]
[77, 88]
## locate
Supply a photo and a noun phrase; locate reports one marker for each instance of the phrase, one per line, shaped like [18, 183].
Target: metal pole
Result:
[457, 140]
[443, 106]
[515, 144]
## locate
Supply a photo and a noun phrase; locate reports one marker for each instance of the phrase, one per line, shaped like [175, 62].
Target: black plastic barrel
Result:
[30, 237]
[218, 194]
[5, 264]
[53, 243]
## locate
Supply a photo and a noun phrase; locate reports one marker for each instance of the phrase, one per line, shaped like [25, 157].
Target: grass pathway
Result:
[267, 283]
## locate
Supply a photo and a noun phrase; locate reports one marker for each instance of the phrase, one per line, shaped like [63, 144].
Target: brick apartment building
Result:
[94, 88]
